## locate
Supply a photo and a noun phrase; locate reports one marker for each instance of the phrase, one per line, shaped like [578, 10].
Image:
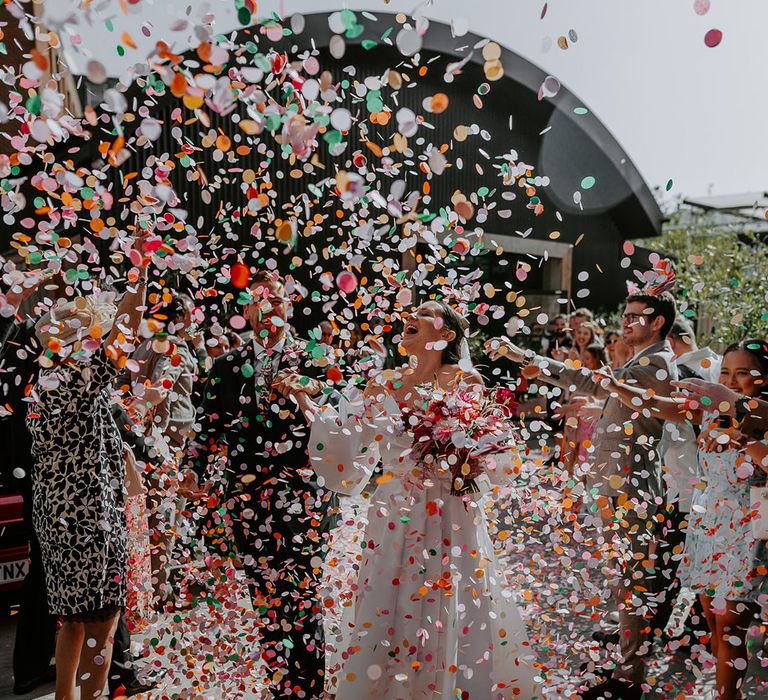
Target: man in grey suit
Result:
[626, 476]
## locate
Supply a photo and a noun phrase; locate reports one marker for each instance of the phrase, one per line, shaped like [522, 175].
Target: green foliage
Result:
[721, 277]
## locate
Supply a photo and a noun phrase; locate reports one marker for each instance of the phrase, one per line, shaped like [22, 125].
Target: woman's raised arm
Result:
[131, 308]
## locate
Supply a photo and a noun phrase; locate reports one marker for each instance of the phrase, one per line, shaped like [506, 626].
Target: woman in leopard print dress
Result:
[78, 482]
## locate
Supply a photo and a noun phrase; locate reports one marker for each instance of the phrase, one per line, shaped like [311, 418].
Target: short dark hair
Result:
[682, 328]
[263, 276]
[175, 308]
[453, 321]
[758, 348]
[662, 305]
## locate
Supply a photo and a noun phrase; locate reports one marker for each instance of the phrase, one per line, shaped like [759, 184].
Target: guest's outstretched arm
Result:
[550, 371]
[639, 398]
[753, 415]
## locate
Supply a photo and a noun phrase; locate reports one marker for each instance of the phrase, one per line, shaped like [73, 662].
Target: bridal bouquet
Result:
[454, 429]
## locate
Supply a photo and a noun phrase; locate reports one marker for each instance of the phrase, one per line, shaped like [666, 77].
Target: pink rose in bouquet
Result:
[453, 430]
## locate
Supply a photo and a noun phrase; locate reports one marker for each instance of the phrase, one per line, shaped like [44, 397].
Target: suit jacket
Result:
[626, 459]
[257, 448]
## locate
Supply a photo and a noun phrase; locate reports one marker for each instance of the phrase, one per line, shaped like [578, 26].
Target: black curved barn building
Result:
[558, 135]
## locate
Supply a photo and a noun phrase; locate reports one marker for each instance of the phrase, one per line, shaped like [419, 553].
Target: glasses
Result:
[633, 318]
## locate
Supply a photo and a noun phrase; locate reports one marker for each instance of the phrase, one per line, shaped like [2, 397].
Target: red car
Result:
[14, 552]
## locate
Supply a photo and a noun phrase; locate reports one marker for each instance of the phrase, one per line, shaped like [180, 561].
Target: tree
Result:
[721, 269]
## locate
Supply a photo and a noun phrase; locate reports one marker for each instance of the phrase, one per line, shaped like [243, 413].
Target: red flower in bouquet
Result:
[453, 430]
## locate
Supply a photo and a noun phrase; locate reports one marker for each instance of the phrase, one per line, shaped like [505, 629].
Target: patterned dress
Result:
[722, 559]
[78, 490]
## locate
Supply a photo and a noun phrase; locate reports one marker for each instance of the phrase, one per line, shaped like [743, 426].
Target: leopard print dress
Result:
[78, 490]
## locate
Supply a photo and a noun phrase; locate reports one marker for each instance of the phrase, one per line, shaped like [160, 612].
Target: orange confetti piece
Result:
[178, 85]
[126, 38]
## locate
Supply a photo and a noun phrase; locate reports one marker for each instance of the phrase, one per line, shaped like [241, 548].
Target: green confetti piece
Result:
[332, 137]
[248, 370]
[355, 31]
[373, 101]
[348, 18]
[368, 44]
[669, 184]
[581, 111]
[588, 183]
[244, 16]
[33, 104]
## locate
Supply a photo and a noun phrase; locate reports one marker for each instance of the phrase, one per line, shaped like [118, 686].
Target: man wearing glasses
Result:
[626, 476]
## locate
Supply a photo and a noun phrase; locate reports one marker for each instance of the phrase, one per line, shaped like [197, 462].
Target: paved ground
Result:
[554, 596]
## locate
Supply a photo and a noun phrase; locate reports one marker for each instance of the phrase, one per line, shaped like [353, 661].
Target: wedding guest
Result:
[326, 333]
[627, 475]
[618, 350]
[584, 336]
[579, 316]
[252, 443]
[78, 477]
[594, 356]
[35, 640]
[162, 379]
[556, 334]
[679, 452]
[723, 561]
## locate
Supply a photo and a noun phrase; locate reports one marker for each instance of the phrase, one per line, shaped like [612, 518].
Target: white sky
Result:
[680, 110]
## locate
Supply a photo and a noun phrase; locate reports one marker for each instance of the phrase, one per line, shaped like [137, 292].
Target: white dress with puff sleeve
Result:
[430, 616]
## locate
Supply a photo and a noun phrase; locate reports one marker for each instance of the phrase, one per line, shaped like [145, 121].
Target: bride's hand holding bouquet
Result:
[453, 431]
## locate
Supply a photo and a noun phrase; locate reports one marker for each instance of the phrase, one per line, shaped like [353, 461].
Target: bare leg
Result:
[68, 645]
[709, 615]
[732, 628]
[96, 657]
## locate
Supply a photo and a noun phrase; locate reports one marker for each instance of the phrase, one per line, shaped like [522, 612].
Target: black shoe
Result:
[132, 688]
[613, 690]
[605, 637]
[21, 687]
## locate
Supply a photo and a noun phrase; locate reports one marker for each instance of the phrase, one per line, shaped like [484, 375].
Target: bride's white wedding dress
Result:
[431, 614]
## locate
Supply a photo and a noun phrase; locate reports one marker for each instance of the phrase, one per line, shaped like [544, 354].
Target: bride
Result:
[432, 617]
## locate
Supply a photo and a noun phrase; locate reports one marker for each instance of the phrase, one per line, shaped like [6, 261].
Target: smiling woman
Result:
[435, 326]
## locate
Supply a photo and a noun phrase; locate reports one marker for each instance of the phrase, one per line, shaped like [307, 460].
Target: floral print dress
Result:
[78, 489]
